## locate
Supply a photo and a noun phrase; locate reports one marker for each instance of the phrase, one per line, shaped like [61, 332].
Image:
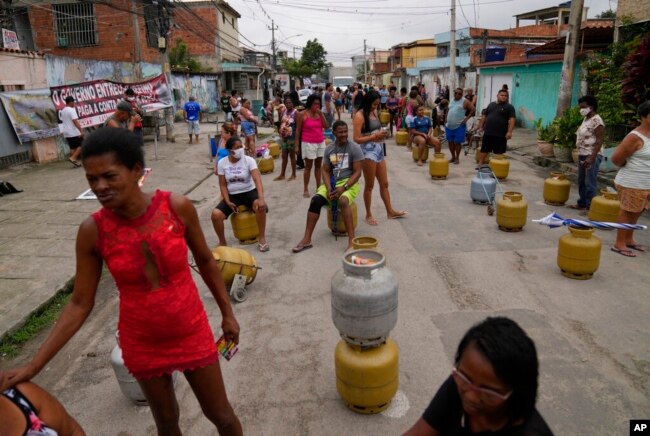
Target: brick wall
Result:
[638, 10]
[200, 35]
[116, 40]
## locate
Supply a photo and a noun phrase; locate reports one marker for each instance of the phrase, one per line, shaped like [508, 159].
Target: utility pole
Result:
[273, 47]
[485, 41]
[294, 53]
[365, 64]
[137, 58]
[452, 49]
[164, 24]
[569, 65]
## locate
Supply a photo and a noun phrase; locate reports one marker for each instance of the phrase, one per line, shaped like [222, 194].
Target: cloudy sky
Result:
[342, 25]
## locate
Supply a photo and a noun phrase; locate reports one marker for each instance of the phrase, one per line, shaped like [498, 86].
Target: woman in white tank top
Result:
[633, 180]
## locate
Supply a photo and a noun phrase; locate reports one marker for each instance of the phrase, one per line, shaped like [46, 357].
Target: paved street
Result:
[453, 265]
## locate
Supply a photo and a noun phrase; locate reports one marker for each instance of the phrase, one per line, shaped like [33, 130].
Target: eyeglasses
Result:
[487, 395]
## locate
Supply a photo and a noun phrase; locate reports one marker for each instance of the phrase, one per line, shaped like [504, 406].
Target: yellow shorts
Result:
[350, 194]
[633, 200]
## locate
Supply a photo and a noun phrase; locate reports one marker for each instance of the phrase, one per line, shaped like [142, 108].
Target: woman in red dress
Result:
[143, 238]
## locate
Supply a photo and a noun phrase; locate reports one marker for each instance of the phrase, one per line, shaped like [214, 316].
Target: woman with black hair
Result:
[492, 388]
[143, 238]
[310, 138]
[367, 132]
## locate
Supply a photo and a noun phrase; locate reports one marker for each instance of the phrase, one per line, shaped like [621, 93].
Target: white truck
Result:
[342, 82]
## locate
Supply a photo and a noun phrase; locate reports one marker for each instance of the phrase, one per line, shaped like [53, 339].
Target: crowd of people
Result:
[144, 237]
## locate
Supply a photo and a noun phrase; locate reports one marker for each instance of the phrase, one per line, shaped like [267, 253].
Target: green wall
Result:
[535, 89]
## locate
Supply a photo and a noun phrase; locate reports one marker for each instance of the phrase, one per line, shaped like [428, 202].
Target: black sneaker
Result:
[300, 168]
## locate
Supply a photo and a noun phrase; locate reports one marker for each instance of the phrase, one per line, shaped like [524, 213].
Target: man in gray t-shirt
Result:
[341, 162]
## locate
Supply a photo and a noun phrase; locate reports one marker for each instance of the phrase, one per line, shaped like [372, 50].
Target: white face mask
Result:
[130, 98]
[238, 154]
[584, 111]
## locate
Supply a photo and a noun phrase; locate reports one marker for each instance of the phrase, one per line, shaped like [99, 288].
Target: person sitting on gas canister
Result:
[342, 163]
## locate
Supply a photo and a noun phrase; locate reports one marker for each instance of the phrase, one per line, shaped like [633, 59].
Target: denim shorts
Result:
[373, 151]
[248, 128]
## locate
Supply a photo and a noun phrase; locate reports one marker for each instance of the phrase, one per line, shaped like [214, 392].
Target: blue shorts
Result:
[373, 151]
[248, 128]
[456, 135]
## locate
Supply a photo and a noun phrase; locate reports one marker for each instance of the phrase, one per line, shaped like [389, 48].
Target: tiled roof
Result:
[24, 52]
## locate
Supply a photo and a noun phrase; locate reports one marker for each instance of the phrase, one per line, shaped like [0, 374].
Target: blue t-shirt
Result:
[422, 125]
[384, 95]
[192, 109]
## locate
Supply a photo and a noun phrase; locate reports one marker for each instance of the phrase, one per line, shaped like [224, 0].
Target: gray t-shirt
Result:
[339, 159]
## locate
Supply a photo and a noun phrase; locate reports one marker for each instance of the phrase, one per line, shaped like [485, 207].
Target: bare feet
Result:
[305, 194]
[291, 178]
[371, 221]
[279, 178]
[420, 163]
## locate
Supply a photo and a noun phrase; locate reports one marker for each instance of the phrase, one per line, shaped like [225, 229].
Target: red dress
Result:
[162, 323]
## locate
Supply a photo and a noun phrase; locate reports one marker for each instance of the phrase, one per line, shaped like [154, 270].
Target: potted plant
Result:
[545, 138]
[566, 127]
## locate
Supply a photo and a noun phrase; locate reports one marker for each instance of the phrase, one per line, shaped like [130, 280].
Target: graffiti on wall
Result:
[63, 70]
[202, 87]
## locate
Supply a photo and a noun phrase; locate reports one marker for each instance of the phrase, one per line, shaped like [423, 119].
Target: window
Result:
[75, 24]
[232, 21]
[151, 21]
[223, 17]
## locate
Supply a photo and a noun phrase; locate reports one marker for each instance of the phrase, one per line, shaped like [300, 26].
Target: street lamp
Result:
[274, 45]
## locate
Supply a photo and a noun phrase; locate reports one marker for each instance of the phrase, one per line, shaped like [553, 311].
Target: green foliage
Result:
[607, 14]
[605, 74]
[635, 85]
[311, 62]
[566, 127]
[545, 133]
[181, 59]
[38, 321]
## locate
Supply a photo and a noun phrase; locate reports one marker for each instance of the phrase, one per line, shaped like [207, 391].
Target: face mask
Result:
[238, 154]
[584, 111]
[130, 98]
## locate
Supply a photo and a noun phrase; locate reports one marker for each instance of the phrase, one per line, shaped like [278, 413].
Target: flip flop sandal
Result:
[626, 253]
[263, 247]
[637, 247]
[298, 248]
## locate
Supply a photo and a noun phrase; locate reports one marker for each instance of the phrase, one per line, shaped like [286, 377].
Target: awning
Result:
[234, 67]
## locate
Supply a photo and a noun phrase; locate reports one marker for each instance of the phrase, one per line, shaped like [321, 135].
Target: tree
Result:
[311, 62]
[607, 14]
[180, 58]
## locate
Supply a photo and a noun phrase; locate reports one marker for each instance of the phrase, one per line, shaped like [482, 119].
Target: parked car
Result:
[303, 94]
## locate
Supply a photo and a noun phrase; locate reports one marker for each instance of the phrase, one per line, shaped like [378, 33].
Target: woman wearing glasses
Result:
[492, 387]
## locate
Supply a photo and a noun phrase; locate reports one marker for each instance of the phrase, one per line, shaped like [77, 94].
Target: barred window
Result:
[75, 24]
[151, 20]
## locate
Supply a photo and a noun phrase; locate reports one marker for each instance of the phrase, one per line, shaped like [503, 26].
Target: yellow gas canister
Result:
[578, 253]
[512, 212]
[367, 379]
[401, 137]
[265, 165]
[274, 149]
[244, 226]
[233, 261]
[340, 225]
[500, 166]
[427, 113]
[364, 243]
[605, 207]
[384, 118]
[416, 151]
[439, 166]
[556, 189]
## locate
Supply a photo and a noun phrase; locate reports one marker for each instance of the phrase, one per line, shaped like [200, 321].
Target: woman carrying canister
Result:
[310, 138]
[143, 238]
[633, 181]
[392, 103]
[369, 135]
[240, 183]
[248, 126]
[288, 135]
[492, 388]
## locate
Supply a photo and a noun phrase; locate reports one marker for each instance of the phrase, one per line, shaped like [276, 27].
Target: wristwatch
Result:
[346, 187]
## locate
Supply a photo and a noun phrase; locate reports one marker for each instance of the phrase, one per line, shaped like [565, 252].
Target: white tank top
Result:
[636, 172]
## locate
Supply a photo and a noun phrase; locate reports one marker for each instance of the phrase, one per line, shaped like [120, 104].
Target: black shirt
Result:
[498, 115]
[225, 104]
[445, 414]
